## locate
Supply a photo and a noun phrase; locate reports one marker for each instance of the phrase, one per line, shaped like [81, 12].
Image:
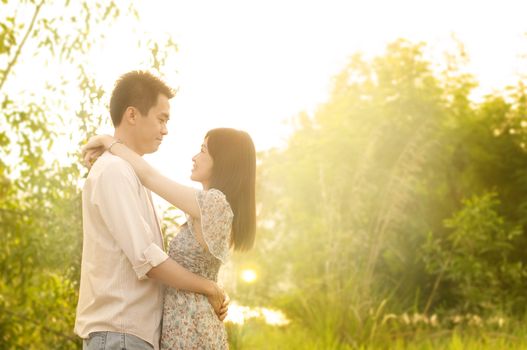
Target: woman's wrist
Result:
[110, 142]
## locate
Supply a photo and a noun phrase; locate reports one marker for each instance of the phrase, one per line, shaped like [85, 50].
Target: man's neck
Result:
[127, 140]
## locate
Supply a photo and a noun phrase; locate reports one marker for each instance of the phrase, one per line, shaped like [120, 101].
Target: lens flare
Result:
[248, 275]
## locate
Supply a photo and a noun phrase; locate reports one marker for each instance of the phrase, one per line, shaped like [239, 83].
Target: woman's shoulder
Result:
[215, 198]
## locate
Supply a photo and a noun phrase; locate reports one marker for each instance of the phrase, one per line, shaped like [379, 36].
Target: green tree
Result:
[475, 257]
[347, 206]
[40, 214]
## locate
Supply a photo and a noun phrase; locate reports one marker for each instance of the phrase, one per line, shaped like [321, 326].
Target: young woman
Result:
[220, 216]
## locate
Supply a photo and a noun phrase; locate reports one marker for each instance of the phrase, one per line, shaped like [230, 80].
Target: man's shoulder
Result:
[109, 175]
[110, 165]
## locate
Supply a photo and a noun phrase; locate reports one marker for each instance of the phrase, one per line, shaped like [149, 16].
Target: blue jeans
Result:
[114, 341]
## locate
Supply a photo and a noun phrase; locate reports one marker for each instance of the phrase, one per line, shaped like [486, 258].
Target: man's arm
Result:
[176, 276]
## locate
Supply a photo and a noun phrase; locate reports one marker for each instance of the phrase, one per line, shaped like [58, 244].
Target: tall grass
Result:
[388, 335]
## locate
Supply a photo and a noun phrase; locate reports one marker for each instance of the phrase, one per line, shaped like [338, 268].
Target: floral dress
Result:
[189, 321]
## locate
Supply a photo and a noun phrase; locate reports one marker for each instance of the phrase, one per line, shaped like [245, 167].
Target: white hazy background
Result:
[254, 65]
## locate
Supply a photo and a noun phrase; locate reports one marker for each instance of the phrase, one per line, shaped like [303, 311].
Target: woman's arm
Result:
[183, 197]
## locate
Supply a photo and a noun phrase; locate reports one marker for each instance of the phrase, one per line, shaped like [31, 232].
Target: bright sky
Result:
[255, 64]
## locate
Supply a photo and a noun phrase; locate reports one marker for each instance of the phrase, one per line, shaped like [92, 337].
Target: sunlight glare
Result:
[239, 314]
[248, 275]
[275, 318]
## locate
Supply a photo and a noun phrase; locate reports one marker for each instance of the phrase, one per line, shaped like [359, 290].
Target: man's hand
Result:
[219, 301]
[224, 308]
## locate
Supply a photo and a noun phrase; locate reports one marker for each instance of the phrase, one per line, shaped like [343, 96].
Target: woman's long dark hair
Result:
[234, 173]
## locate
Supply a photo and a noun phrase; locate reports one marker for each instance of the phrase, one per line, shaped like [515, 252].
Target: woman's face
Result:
[202, 166]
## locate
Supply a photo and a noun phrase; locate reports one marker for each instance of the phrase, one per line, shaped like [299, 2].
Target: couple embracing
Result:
[133, 295]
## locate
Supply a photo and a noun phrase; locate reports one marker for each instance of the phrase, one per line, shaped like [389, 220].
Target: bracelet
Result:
[109, 149]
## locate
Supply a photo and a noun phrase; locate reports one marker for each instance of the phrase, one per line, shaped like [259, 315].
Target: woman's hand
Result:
[95, 146]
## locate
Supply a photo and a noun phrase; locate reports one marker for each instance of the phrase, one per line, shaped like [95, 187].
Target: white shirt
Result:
[122, 242]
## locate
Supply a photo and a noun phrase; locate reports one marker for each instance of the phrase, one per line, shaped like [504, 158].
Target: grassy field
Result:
[255, 334]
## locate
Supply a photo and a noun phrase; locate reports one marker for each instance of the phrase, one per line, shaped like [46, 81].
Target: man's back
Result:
[122, 242]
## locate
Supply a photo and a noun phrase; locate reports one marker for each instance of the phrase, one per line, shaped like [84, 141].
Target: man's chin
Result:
[152, 150]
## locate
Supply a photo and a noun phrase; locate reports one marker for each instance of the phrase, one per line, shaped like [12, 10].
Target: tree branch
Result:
[15, 58]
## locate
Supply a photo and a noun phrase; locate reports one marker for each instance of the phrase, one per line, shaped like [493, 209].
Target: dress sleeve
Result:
[216, 222]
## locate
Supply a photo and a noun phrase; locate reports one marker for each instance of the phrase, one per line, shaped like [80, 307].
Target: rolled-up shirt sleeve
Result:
[117, 195]
[153, 256]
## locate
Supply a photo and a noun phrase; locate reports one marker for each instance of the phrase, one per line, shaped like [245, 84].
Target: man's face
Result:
[151, 129]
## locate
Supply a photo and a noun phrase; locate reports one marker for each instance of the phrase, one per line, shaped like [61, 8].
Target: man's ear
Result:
[130, 115]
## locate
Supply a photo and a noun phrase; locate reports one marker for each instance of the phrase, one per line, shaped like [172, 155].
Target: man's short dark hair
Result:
[139, 89]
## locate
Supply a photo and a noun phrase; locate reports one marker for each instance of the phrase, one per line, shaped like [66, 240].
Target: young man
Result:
[123, 262]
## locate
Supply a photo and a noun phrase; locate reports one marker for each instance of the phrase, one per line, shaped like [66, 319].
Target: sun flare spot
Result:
[248, 275]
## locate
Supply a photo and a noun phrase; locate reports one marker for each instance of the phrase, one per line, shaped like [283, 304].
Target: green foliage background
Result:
[399, 195]
[40, 209]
